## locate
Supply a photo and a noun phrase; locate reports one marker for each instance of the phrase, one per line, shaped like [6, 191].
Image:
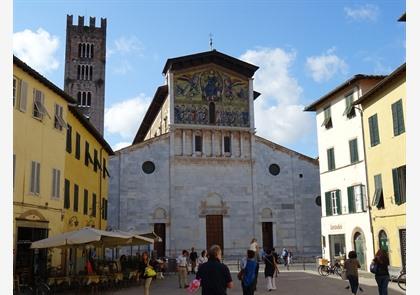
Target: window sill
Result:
[36, 118]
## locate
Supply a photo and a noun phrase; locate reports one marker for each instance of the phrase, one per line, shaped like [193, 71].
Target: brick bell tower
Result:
[84, 73]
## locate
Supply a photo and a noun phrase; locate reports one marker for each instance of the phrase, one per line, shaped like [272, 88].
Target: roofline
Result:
[402, 18]
[85, 122]
[214, 54]
[18, 62]
[381, 84]
[155, 105]
[355, 78]
[314, 161]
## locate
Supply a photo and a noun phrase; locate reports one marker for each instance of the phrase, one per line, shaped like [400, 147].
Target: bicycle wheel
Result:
[325, 271]
[401, 281]
[338, 271]
[319, 270]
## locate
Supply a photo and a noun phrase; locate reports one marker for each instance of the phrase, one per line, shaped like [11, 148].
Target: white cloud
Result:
[122, 68]
[124, 118]
[37, 49]
[323, 67]
[367, 12]
[120, 145]
[279, 114]
[126, 45]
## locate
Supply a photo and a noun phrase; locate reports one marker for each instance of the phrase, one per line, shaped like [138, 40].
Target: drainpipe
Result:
[366, 172]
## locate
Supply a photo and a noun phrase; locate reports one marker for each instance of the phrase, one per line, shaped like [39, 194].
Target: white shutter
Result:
[23, 96]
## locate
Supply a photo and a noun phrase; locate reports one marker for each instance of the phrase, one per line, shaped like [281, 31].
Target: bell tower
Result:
[84, 73]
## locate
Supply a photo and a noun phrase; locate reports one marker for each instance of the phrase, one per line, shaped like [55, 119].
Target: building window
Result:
[84, 72]
[104, 209]
[35, 177]
[398, 117]
[68, 139]
[212, 113]
[274, 169]
[76, 198]
[398, 177]
[85, 202]
[84, 98]
[327, 118]
[356, 199]
[58, 117]
[148, 167]
[373, 130]
[23, 96]
[333, 203]
[354, 154]
[331, 159]
[198, 143]
[86, 50]
[227, 147]
[378, 196]
[96, 162]
[66, 194]
[105, 170]
[94, 205]
[39, 109]
[77, 153]
[349, 111]
[56, 184]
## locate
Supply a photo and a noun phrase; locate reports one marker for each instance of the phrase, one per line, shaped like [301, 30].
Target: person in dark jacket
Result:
[382, 275]
[250, 274]
[270, 270]
[351, 266]
[143, 264]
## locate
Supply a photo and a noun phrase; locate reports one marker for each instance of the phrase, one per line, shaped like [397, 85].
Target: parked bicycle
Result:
[401, 279]
[328, 268]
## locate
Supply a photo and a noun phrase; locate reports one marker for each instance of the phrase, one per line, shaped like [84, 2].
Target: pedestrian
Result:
[289, 258]
[214, 275]
[249, 274]
[193, 259]
[276, 255]
[351, 266]
[382, 275]
[285, 255]
[146, 271]
[203, 258]
[182, 269]
[253, 246]
[270, 270]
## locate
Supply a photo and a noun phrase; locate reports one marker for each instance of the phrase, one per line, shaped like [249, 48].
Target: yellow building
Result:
[39, 135]
[86, 175]
[383, 119]
[60, 179]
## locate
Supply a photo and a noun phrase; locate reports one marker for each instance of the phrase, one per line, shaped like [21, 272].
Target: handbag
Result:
[373, 267]
[344, 275]
[149, 272]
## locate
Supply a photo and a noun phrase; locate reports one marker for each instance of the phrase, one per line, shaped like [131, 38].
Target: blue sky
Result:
[303, 48]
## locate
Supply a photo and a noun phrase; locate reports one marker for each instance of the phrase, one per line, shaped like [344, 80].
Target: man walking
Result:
[193, 259]
[182, 269]
[215, 276]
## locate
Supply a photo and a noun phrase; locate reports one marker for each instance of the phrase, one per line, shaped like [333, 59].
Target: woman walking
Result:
[249, 274]
[270, 270]
[382, 275]
[202, 259]
[146, 271]
[351, 266]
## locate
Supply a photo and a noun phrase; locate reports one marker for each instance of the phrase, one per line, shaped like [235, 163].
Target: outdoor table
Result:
[55, 281]
[91, 279]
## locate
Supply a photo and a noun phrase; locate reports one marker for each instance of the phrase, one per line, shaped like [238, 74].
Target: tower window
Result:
[212, 113]
[84, 98]
[85, 50]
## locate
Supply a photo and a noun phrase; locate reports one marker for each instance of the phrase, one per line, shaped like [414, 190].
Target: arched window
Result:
[91, 51]
[80, 49]
[83, 50]
[90, 73]
[89, 97]
[212, 113]
[78, 72]
[79, 98]
[383, 241]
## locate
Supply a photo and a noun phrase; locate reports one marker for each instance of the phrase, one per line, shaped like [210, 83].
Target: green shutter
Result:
[397, 193]
[395, 118]
[350, 194]
[328, 208]
[376, 129]
[338, 198]
[66, 194]
[354, 156]
[400, 116]
[331, 160]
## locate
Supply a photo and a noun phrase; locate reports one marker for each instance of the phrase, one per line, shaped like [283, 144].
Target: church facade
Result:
[197, 174]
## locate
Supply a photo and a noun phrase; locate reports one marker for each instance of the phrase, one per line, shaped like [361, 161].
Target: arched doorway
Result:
[359, 247]
[383, 241]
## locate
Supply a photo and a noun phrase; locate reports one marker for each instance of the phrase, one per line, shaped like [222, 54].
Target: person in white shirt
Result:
[182, 269]
[203, 258]
[254, 247]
